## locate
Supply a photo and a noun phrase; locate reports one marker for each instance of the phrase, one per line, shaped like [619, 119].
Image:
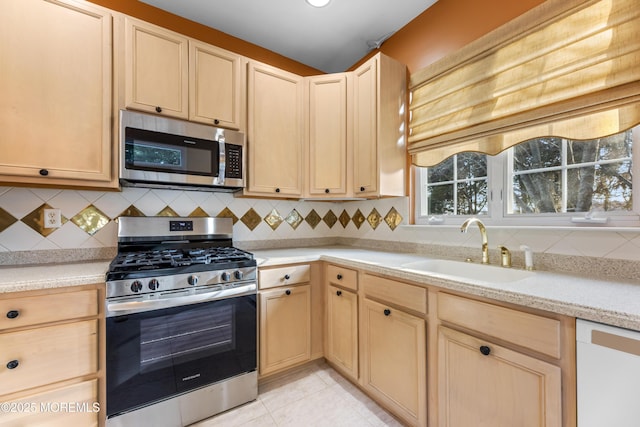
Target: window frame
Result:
[498, 194]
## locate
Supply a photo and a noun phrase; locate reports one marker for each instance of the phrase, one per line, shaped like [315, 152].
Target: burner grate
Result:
[169, 258]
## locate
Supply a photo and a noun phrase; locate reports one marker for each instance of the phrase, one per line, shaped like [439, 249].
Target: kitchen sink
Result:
[468, 270]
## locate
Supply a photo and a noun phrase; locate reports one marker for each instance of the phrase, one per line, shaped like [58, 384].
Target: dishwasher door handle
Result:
[615, 342]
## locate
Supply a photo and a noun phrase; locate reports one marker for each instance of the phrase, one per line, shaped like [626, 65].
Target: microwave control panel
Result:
[233, 160]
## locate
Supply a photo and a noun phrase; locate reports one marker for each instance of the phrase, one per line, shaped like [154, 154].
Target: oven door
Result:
[157, 354]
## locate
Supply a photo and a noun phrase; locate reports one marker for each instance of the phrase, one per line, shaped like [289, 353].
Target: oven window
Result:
[184, 336]
[157, 354]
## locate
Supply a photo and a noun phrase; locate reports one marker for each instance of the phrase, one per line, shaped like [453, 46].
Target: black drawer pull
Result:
[13, 364]
[287, 277]
[12, 314]
[158, 109]
[387, 312]
[339, 293]
[485, 350]
[288, 292]
[43, 172]
[339, 276]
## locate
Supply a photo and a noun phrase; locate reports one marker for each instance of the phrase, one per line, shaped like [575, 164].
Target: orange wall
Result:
[449, 25]
[206, 34]
[444, 28]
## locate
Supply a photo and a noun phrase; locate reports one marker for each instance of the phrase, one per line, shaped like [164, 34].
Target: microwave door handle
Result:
[147, 305]
[219, 180]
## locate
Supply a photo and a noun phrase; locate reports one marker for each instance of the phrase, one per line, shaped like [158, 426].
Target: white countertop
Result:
[608, 301]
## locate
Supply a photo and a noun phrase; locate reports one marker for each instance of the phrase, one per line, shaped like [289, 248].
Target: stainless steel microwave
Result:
[161, 152]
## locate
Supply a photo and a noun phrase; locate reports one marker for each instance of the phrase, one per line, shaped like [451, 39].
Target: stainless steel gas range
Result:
[181, 322]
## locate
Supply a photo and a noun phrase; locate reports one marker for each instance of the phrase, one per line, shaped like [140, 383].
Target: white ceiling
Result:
[330, 39]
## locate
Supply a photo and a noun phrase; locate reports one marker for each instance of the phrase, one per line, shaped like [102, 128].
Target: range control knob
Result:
[225, 276]
[154, 284]
[192, 280]
[239, 275]
[136, 286]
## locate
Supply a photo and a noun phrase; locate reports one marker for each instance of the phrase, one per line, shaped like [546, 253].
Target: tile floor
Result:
[315, 396]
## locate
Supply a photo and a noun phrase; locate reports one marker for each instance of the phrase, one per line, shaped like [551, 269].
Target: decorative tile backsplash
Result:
[88, 222]
[88, 216]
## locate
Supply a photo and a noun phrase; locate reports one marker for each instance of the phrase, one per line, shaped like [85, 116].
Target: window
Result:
[543, 181]
[457, 186]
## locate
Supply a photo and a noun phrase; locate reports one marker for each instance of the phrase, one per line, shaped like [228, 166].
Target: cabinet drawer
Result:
[527, 330]
[26, 311]
[341, 276]
[46, 355]
[284, 276]
[44, 409]
[394, 292]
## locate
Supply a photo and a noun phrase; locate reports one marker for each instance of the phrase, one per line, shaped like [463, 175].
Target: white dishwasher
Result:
[608, 371]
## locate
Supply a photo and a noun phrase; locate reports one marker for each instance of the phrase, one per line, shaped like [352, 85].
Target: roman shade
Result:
[567, 68]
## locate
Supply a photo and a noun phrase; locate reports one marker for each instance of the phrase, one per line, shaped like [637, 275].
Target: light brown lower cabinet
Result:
[52, 362]
[393, 345]
[285, 327]
[342, 330]
[483, 384]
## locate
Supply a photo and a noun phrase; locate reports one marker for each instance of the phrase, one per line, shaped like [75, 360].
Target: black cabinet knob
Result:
[485, 350]
[387, 312]
[277, 190]
[339, 276]
[326, 190]
[158, 109]
[362, 188]
[12, 314]
[216, 121]
[339, 293]
[287, 277]
[288, 292]
[13, 364]
[44, 172]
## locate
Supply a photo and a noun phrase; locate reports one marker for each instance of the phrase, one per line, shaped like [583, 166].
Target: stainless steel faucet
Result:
[483, 233]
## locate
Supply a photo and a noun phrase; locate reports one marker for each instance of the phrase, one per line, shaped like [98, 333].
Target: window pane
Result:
[441, 172]
[472, 198]
[537, 153]
[440, 199]
[537, 193]
[471, 165]
[603, 187]
[610, 148]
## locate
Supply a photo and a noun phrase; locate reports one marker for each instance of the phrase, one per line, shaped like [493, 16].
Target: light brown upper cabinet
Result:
[215, 86]
[379, 140]
[329, 127]
[56, 102]
[156, 69]
[170, 74]
[275, 139]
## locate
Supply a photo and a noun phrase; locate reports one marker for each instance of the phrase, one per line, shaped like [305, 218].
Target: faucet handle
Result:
[505, 256]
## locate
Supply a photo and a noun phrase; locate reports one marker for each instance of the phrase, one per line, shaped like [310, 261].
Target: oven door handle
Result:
[114, 308]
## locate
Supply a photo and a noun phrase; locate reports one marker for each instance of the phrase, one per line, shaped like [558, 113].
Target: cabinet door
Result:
[285, 327]
[328, 138]
[156, 63]
[342, 330]
[214, 86]
[394, 360]
[365, 129]
[275, 136]
[482, 384]
[55, 86]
